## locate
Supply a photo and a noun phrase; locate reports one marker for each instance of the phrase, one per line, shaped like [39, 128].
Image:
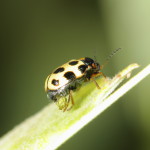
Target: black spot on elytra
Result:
[61, 69]
[72, 63]
[69, 75]
[55, 82]
[82, 68]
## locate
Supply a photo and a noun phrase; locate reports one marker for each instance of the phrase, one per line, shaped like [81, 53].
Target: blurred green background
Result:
[38, 36]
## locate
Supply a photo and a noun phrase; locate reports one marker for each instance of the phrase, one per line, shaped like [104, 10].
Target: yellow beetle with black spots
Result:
[69, 77]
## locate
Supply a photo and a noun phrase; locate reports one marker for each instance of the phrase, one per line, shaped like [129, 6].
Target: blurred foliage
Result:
[38, 36]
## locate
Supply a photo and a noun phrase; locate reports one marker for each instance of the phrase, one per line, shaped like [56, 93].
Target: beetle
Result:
[70, 76]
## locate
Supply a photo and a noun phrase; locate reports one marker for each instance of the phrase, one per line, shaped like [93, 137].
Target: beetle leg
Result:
[97, 85]
[70, 99]
[66, 106]
[98, 74]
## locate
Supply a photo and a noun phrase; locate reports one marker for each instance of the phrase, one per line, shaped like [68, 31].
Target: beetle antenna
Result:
[110, 56]
[95, 58]
[95, 52]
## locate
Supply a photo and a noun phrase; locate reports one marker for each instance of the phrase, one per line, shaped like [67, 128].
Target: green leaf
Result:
[51, 127]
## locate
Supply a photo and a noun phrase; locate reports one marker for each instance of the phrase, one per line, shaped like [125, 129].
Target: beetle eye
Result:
[98, 66]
